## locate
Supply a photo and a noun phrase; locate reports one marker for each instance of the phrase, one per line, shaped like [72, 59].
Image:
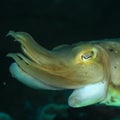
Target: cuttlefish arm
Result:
[81, 67]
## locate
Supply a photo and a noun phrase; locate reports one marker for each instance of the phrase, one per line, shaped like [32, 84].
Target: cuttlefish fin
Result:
[87, 95]
[28, 80]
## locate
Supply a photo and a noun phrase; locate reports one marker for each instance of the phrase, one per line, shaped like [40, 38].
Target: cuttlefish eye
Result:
[88, 55]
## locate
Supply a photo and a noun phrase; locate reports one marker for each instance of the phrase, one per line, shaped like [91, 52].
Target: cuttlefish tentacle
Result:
[30, 47]
[44, 59]
[28, 80]
[81, 67]
[32, 69]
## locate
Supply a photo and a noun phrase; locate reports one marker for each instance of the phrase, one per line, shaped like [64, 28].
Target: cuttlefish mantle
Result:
[90, 69]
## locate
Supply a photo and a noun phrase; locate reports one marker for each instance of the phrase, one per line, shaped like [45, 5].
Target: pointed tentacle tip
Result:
[9, 55]
[10, 33]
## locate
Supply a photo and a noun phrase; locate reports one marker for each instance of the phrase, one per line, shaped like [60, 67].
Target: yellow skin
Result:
[90, 69]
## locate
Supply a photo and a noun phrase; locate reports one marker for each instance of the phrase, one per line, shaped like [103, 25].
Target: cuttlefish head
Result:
[82, 67]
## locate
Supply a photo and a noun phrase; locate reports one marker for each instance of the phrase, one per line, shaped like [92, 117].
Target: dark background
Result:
[51, 23]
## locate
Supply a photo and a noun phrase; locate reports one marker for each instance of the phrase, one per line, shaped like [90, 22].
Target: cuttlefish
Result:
[90, 69]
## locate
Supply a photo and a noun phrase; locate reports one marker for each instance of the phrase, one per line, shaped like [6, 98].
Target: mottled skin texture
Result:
[113, 50]
[69, 66]
[112, 47]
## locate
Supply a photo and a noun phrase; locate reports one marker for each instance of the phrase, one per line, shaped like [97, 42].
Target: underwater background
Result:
[51, 23]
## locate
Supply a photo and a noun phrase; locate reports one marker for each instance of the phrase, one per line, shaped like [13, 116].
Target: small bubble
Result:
[4, 83]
